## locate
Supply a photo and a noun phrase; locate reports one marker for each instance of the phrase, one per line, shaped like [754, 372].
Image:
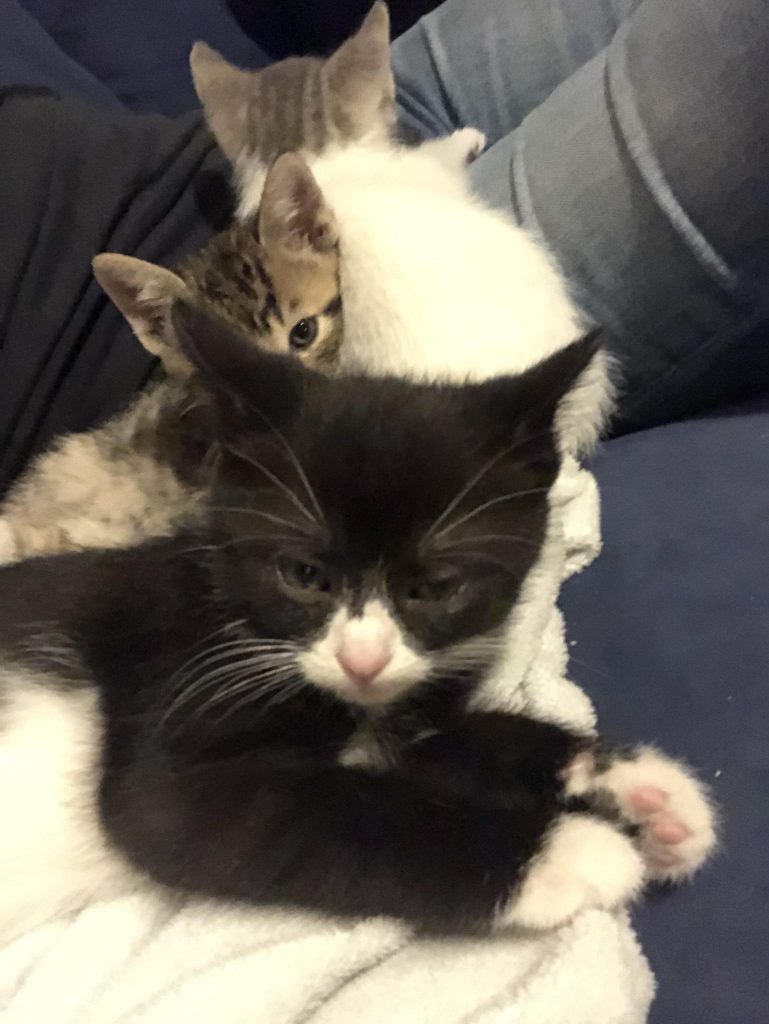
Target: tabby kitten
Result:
[274, 708]
[275, 278]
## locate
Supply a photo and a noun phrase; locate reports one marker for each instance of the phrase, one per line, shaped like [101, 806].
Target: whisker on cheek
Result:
[240, 658]
[286, 691]
[255, 691]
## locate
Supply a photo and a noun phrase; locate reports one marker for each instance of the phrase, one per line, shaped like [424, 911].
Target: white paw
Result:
[8, 549]
[585, 863]
[470, 143]
[671, 808]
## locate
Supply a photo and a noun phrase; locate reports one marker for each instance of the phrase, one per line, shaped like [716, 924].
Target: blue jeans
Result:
[633, 137]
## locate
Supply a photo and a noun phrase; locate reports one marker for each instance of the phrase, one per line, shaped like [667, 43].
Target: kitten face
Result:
[275, 279]
[379, 530]
[285, 301]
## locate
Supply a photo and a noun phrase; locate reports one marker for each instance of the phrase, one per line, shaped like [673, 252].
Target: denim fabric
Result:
[634, 138]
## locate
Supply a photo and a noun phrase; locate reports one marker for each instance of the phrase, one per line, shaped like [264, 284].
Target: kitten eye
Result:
[304, 333]
[303, 575]
[440, 587]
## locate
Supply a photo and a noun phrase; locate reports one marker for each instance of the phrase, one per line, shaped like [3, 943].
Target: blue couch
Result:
[669, 629]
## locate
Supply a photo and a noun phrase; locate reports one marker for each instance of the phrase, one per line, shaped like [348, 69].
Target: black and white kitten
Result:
[277, 709]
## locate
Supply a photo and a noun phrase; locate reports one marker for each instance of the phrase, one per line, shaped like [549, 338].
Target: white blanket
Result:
[139, 958]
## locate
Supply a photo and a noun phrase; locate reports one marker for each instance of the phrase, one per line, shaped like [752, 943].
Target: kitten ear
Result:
[225, 93]
[531, 415]
[265, 112]
[358, 79]
[293, 213]
[252, 389]
[144, 294]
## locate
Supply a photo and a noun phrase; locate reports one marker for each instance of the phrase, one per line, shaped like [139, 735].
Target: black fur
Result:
[247, 799]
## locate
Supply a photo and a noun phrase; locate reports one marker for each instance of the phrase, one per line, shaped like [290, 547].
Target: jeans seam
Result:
[639, 148]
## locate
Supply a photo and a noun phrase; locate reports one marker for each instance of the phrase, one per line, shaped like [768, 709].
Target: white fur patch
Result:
[490, 299]
[686, 802]
[53, 854]
[586, 863]
[376, 626]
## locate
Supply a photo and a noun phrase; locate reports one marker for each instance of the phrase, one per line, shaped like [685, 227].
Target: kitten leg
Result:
[585, 863]
[581, 859]
[457, 150]
[662, 799]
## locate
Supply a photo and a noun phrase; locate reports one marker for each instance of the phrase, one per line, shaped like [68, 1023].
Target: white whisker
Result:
[240, 657]
[255, 692]
[226, 646]
[483, 537]
[479, 476]
[262, 515]
[294, 459]
[277, 481]
[489, 504]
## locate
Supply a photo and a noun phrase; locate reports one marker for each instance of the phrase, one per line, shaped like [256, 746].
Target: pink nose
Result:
[363, 663]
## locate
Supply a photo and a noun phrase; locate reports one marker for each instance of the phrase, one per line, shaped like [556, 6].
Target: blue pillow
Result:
[138, 51]
[670, 633]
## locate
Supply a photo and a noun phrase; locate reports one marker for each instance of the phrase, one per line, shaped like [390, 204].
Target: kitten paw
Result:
[676, 822]
[469, 142]
[457, 150]
[584, 863]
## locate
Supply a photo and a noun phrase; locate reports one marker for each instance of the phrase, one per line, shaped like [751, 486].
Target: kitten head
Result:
[303, 102]
[275, 278]
[379, 530]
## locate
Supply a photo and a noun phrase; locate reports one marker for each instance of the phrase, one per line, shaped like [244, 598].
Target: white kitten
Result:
[435, 284]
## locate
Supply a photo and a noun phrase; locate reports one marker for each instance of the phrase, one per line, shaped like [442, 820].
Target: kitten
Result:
[436, 284]
[275, 277]
[190, 711]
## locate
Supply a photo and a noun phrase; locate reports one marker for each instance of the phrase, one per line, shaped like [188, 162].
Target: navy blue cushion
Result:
[139, 51]
[30, 57]
[671, 632]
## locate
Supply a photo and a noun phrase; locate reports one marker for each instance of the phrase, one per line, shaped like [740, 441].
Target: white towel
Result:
[139, 958]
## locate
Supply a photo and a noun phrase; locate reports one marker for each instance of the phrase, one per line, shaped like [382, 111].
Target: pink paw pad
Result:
[667, 829]
[648, 799]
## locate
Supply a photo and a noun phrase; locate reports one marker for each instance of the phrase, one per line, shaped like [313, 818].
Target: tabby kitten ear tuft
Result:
[293, 213]
[360, 85]
[144, 294]
[225, 92]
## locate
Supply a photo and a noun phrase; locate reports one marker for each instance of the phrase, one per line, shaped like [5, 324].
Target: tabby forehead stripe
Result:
[333, 307]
